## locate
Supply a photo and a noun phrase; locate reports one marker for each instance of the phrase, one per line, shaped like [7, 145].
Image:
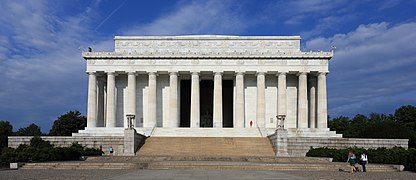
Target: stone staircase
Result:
[80, 165]
[207, 163]
[206, 132]
[207, 146]
[207, 153]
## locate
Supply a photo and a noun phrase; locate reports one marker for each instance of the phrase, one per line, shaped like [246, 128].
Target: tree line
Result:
[64, 125]
[400, 125]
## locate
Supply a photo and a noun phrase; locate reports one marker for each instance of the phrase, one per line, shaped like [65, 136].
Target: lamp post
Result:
[130, 120]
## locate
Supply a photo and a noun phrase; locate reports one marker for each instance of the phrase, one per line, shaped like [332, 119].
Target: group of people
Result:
[352, 159]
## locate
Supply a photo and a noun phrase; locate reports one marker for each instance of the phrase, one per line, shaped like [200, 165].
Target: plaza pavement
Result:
[196, 174]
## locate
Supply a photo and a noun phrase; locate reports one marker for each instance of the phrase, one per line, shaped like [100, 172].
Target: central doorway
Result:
[206, 91]
[206, 96]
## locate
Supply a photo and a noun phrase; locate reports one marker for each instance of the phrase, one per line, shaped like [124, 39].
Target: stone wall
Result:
[65, 141]
[298, 147]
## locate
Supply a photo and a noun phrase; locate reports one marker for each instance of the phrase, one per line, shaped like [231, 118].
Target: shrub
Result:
[40, 150]
[396, 155]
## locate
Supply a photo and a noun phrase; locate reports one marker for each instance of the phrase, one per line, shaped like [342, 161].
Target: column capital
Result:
[239, 73]
[281, 73]
[260, 73]
[322, 73]
[152, 73]
[111, 73]
[132, 73]
[218, 73]
[300, 73]
[195, 73]
[91, 73]
[171, 73]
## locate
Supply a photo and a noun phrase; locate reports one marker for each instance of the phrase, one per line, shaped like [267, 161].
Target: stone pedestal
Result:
[281, 143]
[132, 142]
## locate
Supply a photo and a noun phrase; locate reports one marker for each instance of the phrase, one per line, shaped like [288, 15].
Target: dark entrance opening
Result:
[206, 89]
[227, 103]
[185, 104]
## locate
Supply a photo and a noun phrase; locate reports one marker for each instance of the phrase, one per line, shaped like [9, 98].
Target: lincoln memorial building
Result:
[228, 84]
[208, 95]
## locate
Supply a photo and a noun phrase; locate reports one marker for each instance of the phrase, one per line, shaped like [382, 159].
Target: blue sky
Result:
[42, 73]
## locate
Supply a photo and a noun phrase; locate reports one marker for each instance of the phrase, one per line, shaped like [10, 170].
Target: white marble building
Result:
[207, 85]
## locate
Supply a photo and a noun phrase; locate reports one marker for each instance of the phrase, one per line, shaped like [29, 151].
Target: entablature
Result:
[208, 55]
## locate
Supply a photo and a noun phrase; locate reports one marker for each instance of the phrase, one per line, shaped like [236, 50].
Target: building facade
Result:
[207, 82]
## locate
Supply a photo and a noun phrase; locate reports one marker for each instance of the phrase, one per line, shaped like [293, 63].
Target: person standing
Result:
[111, 150]
[352, 160]
[364, 161]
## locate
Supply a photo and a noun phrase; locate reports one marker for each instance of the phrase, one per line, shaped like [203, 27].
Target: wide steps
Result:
[207, 163]
[215, 165]
[135, 159]
[207, 132]
[206, 146]
[80, 165]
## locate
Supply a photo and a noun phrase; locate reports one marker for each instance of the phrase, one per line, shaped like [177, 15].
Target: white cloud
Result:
[198, 17]
[42, 73]
[372, 66]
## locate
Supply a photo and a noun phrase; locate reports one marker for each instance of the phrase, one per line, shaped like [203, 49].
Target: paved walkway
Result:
[195, 174]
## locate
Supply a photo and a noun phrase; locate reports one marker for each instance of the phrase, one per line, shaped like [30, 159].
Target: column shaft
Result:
[312, 102]
[302, 100]
[173, 101]
[92, 100]
[131, 96]
[217, 100]
[111, 98]
[239, 101]
[261, 104]
[281, 83]
[322, 115]
[151, 102]
[101, 104]
[195, 110]
[281, 96]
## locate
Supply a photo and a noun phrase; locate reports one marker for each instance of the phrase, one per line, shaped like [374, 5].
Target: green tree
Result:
[6, 129]
[68, 123]
[406, 115]
[339, 124]
[31, 130]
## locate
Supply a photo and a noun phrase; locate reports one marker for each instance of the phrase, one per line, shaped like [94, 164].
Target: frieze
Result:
[208, 54]
[131, 61]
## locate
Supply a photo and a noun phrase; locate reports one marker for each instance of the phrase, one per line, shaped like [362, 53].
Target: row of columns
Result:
[319, 94]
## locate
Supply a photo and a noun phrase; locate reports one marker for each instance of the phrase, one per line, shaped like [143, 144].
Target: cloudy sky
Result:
[42, 73]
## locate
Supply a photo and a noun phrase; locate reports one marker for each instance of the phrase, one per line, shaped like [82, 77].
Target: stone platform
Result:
[208, 163]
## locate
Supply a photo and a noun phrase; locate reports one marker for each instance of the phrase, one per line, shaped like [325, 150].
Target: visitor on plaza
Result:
[364, 161]
[352, 159]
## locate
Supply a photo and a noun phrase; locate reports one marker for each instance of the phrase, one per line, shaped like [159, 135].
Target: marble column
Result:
[322, 115]
[151, 102]
[239, 101]
[261, 104]
[111, 100]
[195, 110]
[131, 96]
[281, 98]
[303, 100]
[312, 102]
[173, 101]
[92, 100]
[217, 100]
[101, 103]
